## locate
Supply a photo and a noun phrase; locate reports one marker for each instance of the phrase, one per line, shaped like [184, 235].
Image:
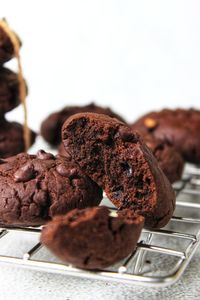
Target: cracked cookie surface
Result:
[92, 238]
[34, 188]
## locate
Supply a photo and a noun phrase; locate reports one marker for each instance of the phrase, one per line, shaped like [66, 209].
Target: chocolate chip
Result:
[109, 141]
[117, 194]
[66, 171]
[25, 173]
[127, 135]
[41, 154]
[139, 195]
[127, 169]
[138, 182]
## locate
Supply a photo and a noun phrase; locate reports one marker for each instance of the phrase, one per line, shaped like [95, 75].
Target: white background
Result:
[131, 55]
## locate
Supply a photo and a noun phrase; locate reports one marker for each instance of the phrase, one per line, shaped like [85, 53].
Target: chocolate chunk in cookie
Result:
[34, 188]
[116, 158]
[92, 238]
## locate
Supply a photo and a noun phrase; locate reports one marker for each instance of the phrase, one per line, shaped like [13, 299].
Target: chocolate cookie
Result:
[92, 238]
[115, 157]
[179, 127]
[51, 126]
[9, 90]
[169, 159]
[6, 47]
[34, 188]
[12, 138]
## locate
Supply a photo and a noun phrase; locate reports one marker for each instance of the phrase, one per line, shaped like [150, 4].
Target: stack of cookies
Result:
[13, 89]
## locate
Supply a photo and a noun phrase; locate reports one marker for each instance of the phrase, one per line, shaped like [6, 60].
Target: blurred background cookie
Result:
[12, 138]
[178, 127]
[9, 90]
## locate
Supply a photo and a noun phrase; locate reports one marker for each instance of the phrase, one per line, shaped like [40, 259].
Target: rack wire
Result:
[161, 257]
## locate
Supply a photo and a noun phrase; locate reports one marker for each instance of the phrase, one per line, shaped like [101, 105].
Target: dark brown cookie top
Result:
[179, 127]
[92, 238]
[115, 157]
[12, 138]
[34, 188]
[51, 126]
[9, 90]
[6, 47]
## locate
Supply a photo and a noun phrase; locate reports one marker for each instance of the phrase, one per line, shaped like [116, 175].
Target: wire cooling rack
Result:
[160, 259]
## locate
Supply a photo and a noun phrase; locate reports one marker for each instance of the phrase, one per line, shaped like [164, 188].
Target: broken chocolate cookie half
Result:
[116, 158]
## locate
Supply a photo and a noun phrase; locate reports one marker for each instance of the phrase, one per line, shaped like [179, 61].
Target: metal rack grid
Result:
[183, 229]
